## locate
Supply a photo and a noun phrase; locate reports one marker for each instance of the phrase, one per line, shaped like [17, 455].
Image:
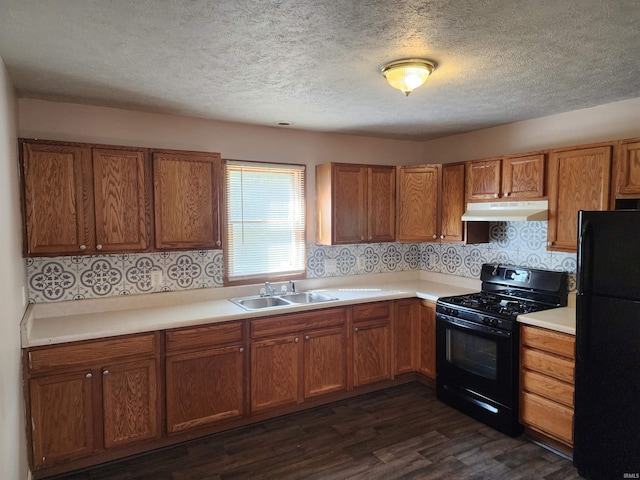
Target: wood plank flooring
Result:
[398, 433]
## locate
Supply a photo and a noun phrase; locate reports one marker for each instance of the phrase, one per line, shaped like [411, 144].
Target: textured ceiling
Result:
[316, 63]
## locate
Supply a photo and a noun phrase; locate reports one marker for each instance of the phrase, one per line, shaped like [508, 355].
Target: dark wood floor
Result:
[398, 433]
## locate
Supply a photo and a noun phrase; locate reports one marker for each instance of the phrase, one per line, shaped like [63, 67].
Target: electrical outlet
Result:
[330, 265]
[362, 262]
[156, 278]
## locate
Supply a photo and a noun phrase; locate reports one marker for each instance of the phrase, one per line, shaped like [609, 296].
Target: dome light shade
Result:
[407, 75]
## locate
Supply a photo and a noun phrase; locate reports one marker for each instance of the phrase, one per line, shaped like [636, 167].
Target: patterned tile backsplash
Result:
[54, 279]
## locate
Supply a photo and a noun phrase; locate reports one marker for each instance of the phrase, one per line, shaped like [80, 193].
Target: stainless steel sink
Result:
[308, 297]
[258, 302]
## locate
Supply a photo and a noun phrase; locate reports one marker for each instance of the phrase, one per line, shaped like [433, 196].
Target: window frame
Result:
[257, 279]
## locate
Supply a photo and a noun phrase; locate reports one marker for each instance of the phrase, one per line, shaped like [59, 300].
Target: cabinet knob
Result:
[105, 372]
[83, 248]
[241, 349]
[442, 237]
[506, 194]
[296, 339]
[88, 375]
[435, 236]
[218, 243]
[98, 247]
[306, 337]
[549, 244]
[361, 238]
[355, 329]
[496, 195]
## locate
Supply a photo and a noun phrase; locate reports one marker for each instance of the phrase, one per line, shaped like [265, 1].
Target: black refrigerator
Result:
[607, 389]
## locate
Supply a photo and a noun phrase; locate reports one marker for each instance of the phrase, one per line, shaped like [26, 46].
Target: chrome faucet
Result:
[270, 289]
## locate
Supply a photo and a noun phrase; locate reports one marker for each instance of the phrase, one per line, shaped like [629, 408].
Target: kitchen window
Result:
[265, 221]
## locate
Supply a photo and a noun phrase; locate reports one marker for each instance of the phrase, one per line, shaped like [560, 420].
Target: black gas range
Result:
[477, 341]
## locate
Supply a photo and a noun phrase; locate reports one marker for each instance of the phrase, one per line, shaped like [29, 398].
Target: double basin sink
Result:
[259, 302]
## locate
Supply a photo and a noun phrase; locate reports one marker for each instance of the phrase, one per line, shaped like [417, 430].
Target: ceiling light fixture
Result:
[407, 75]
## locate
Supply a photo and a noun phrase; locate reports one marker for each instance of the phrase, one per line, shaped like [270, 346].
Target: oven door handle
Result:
[476, 327]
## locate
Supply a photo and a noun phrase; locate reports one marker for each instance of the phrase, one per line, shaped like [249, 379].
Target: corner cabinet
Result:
[579, 179]
[356, 203]
[186, 187]
[89, 397]
[431, 203]
[84, 199]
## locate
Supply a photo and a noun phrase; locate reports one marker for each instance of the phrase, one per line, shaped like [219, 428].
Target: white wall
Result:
[13, 443]
[605, 122]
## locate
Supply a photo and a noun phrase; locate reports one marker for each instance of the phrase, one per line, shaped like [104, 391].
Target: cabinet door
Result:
[122, 200]
[523, 177]
[578, 180]
[427, 361]
[276, 371]
[204, 387]
[381, 204]
[349, 204]
[629, 171]
[483, 179]
[405, 336]
[418, 203]
[452, 227]
[186, 193]
[61, 418]
[325, 362]
[57, 199]
[131, 406]
[371, 352]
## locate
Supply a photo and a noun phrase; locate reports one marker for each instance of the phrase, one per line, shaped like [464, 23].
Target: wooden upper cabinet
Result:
[628, 170]
[523, 176]
[511, 177]
[186, 189]
[418, 203]
[484, 179]
[121, 185]
[452, 228]
[57, 199]
[578, 180]
[381, 204]
[80, 199]
[356, 203]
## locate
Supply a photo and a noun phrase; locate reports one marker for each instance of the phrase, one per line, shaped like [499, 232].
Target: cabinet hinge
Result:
[30, 364]
[33, 425]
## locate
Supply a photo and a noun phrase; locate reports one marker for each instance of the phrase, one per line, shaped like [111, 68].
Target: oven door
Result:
[476, 357]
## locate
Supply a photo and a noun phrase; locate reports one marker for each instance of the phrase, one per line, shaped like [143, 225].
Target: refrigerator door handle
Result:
[584, 257]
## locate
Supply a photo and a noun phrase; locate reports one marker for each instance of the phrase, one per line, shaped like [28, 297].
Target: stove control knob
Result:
[486, 320]
[453, 312]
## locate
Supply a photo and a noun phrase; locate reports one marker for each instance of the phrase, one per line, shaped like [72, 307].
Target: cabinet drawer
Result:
[552, 365]
[547, 416]
[548, 387]
[371, 311]
[92, 353]
[203, 337]
[297, 322]
[549, 341]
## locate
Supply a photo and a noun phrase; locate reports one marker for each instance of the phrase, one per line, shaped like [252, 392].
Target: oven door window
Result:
[475, 354]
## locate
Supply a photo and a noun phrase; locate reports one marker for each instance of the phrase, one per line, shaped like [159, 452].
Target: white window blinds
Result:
[265, 220]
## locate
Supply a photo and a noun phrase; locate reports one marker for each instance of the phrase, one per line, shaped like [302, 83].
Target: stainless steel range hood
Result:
[506, 211]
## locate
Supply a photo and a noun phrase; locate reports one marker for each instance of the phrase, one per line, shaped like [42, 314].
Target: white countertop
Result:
[558, 319]
[61, 322]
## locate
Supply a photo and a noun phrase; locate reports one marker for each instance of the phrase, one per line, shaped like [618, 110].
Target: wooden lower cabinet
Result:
[405, 336]
[547, 364]
[61, 417]
[372, 343]
[427, 339]
[81, 403]
[301, 356]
